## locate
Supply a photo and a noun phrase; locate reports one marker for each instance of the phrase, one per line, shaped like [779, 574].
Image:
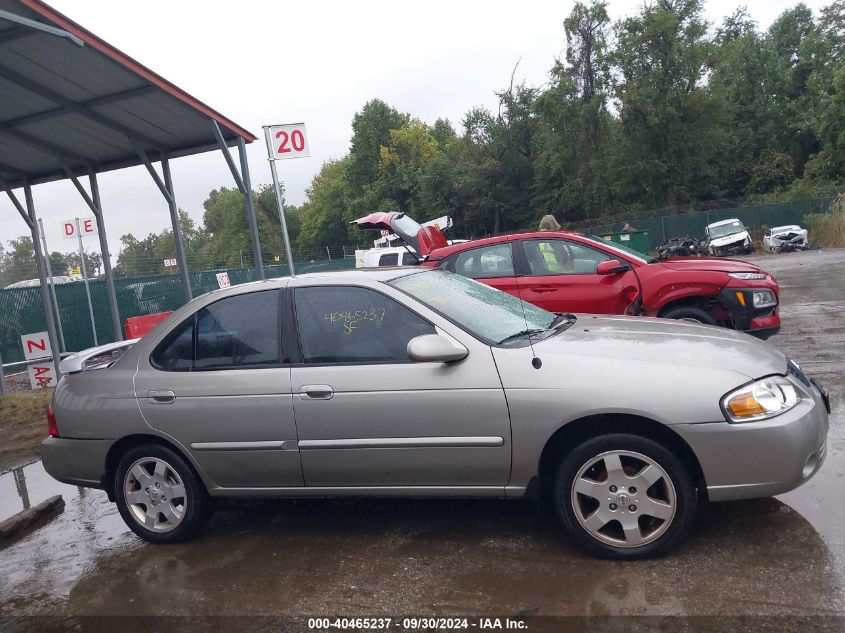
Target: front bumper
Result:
[76, 462]
[761, 459]
[734, 248]
[761, 322]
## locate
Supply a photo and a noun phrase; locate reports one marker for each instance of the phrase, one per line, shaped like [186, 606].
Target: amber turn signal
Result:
[745, 404]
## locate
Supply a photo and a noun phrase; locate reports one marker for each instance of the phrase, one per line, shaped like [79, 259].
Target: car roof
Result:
[382, 273]
[351, 275]
[445, 251]
[723, 222]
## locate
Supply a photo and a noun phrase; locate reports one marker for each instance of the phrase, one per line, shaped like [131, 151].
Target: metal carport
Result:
[73, 106]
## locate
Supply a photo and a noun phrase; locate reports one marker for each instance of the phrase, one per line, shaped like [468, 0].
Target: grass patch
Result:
[23, 425]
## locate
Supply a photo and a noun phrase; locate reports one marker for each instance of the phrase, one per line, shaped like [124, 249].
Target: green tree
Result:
[326, 215]
[19, 261]
[570, 168]
[672, 124]
[58, 264]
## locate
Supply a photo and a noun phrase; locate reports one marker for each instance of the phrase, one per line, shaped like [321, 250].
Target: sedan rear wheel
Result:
[159, 496]
[624, 496]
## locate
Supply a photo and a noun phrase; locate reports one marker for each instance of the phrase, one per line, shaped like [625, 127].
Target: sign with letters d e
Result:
[87, 226]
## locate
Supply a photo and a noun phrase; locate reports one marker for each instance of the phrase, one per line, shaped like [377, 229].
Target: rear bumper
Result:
[760, 459]
[76, 462]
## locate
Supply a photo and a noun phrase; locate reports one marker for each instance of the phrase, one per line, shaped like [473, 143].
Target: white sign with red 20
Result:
[288, 141]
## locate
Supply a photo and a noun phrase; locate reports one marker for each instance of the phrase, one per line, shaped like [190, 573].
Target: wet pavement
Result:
[783, 556]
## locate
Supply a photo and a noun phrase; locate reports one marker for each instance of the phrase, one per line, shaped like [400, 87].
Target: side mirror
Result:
[611, 267]
[433, 348]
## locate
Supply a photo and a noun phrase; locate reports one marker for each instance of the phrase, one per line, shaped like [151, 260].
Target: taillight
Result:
[51, 422]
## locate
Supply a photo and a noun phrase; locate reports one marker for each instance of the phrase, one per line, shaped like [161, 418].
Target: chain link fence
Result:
[22, 311]
[755, 218]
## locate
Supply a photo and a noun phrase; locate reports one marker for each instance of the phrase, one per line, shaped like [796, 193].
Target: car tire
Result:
[159, 495]
[623, 524]
[689, 313]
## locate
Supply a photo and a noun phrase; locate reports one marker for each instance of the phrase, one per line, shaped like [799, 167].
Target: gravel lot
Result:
[782, 556]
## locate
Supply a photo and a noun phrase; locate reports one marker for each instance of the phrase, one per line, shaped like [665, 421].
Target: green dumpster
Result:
[637, 240]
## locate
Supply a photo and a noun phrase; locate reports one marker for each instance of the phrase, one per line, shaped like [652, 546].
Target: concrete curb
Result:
[11, 526]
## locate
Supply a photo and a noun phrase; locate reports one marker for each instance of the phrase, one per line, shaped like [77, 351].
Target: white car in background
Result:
[387, 256]
[791, 234]
[728, 237]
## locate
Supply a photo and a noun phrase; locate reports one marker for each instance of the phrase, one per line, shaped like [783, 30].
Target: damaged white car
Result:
[728, 237]
[785, 238]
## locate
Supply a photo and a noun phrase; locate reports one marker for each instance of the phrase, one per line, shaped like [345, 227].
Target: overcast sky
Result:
[261, 62]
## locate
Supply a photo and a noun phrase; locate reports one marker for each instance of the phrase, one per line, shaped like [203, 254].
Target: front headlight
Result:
[747, 275]
[760, 400]
[764, 299]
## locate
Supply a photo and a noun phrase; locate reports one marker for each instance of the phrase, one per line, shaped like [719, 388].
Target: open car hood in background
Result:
[421, 239]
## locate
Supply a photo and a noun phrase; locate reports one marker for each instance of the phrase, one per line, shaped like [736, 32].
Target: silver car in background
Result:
[422, 383]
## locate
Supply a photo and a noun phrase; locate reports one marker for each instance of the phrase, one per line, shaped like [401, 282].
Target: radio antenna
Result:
[536, 362]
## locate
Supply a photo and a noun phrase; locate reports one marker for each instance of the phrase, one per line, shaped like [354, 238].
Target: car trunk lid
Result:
[421, 239]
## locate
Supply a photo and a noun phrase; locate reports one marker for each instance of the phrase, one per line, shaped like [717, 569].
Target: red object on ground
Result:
[136, 327]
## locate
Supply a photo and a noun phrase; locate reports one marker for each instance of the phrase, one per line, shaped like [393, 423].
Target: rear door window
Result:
[485, 262]
[176, 351]
[241, 331]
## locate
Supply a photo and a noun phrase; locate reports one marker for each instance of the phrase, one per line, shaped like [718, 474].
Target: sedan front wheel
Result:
[624, 496]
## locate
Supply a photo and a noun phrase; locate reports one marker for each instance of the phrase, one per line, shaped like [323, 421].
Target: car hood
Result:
[789, 234]
[730, 239]
[644, 342]
[722, 264]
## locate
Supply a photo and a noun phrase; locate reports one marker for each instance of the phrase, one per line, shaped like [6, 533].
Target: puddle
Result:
[45, 564]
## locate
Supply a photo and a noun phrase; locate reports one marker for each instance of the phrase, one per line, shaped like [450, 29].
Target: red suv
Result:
[565, 271]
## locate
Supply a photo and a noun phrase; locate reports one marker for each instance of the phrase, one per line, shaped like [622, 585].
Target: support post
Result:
[104, 251]
[280, 203]
[177, 229]
[250, 210]
[84, 268]
[52, 284]
[42, 276]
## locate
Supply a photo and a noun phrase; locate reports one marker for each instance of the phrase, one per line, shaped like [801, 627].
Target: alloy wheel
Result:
[155, 494]
[623, 498]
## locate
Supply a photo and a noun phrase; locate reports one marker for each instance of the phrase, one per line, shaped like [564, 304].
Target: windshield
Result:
[626, 250]
[487, 313]
[725, 229]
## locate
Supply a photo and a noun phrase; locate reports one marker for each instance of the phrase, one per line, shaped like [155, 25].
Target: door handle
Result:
[161, 397]
[316, 392]
[542, 289]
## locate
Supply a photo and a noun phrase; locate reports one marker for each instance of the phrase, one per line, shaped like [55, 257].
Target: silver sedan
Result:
[402, 382]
